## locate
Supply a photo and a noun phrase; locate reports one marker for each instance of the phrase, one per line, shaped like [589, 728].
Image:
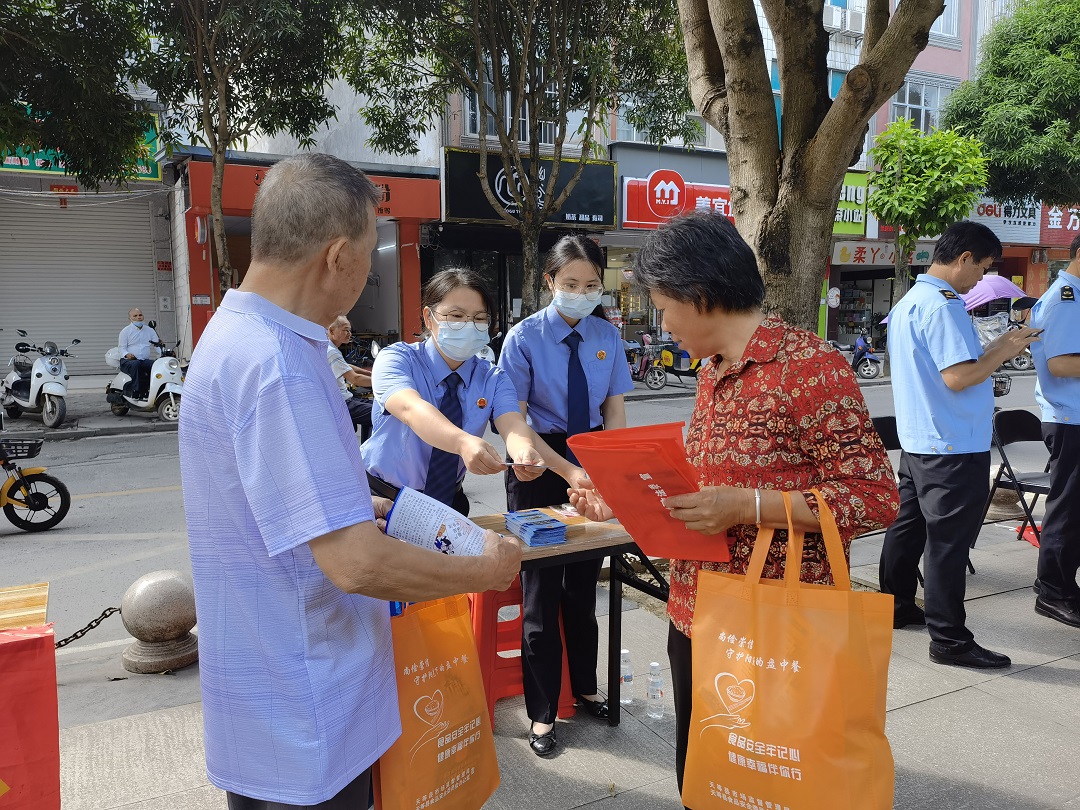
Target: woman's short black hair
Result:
[572, 248]
[446, 281]
[963, 237]
[701, 259]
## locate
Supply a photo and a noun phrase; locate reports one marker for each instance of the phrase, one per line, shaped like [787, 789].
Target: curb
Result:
[639, 397]
[70, 434]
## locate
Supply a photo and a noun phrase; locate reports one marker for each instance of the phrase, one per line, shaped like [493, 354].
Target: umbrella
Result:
[989, 288]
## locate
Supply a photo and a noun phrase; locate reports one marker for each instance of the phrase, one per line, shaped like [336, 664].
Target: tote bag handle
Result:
[834, 549]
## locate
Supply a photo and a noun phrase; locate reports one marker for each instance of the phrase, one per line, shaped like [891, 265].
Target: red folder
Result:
[634, 469]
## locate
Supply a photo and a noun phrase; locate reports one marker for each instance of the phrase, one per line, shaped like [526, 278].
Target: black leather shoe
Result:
[977, 658]
[1037, 586]
[1060, 610]
[543, 745]
[597, 708]
[912, 615]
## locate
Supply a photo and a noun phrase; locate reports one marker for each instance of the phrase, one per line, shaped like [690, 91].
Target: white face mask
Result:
[461, 344]
[576, 305]
[137, 324]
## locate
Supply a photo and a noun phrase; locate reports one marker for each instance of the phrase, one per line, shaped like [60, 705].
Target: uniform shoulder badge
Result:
[1067, 293]
[949, 295]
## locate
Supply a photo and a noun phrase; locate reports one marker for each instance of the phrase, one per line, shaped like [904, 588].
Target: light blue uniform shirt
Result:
[298, 688]
[394, 453]
[1059, 314]
[929, 331]
[537, 360]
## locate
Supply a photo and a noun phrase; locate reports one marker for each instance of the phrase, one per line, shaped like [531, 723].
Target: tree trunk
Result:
[795, 242]
[225, 269]
[901, 269]
[530, 256]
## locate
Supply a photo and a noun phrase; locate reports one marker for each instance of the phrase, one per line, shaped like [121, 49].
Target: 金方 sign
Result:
[1060, 225]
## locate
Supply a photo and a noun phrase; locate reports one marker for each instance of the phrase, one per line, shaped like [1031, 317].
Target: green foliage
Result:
[64, 67]
[229, 68]
[1024, 104]
[572, 62]
[924, 183]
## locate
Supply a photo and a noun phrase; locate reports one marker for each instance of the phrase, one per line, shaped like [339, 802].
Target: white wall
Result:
[346, 136]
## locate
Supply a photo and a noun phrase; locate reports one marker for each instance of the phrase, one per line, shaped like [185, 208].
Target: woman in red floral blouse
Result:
[777, 410]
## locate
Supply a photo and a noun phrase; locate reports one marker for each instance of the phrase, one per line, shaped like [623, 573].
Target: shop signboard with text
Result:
[1060, 225]
[649, 202]
[591, 203]
[876, 254]
[851, 210]
[1012, 224]
[25, 160]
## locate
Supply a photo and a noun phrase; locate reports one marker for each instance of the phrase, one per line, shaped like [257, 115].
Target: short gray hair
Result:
[306, 201]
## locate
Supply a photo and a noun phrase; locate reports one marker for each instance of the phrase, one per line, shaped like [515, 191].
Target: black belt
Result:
[385, 490]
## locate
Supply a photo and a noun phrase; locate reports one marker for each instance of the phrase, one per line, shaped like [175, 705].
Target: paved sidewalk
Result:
[962, 740]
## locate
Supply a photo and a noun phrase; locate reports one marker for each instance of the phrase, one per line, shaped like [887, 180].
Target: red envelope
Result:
[634, 469]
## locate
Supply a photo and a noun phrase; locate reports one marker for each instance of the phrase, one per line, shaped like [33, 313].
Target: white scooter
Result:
[38, 387]
[163, 393]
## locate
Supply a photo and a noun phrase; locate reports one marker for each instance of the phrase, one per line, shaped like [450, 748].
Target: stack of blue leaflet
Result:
[536, 528]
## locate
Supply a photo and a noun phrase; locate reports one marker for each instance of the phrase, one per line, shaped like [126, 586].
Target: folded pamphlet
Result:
[431, 524]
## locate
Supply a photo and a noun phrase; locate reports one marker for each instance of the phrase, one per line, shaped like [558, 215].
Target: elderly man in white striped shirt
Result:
[291, 573]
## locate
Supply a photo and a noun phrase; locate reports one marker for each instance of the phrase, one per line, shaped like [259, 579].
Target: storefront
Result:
[1059, 227]
[1018, 228]
[74, 261]
[656, 184]
[473, 233]
[390, 304]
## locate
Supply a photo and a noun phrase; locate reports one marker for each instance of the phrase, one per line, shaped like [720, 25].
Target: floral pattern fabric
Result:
[788, 415]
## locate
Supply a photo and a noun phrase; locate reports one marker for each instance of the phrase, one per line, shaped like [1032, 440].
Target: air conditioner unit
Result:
[833, 18]
[855, 23]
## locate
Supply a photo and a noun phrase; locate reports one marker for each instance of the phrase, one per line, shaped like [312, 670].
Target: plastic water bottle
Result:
[654, 702]
[626, 679]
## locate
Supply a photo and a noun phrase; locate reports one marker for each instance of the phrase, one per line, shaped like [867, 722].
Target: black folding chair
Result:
[1010, 427]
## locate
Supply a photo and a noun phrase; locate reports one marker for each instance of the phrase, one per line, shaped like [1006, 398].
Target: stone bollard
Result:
[159, 611]
[1005, 505]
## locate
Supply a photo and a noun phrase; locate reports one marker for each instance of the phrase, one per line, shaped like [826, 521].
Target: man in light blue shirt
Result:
[944, 407]
[291, 572]
[1057, 363]
[136, 344]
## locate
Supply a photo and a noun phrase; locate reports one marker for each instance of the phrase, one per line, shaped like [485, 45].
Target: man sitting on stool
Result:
[136, 347]
[340, 333]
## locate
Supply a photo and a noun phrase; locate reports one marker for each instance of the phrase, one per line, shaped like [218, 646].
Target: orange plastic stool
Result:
[502, 672]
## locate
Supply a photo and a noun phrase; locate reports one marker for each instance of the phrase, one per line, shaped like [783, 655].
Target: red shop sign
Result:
[1060, 225]
[650, 202]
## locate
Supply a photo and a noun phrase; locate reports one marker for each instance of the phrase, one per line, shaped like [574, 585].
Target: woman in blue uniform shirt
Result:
[434, 399]
[570, 372]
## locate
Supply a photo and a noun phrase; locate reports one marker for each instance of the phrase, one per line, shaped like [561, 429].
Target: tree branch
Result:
[706, 76]
[877, 20]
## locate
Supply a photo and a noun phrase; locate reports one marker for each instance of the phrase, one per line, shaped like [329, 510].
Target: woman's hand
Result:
[576, 478]
[479, 456]
[589, 503]
[528, 455]
[712, 510]
[382, 509]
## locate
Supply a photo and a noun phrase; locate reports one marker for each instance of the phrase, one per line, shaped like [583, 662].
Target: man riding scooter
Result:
[136, 347]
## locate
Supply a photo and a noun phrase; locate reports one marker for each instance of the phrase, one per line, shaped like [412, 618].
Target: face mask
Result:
[576, 305]
[461, 344]
[137, 324]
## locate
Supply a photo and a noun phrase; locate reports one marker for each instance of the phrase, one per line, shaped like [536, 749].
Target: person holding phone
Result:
[434, 400]
[567, 363]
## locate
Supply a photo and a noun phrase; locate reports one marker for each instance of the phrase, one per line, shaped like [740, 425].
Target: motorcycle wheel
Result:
[119, 410]
[39, 505]
[13, 410]
[867, 369]
[169, 409]
[1022, 362]
[53, 411]
[655, 378]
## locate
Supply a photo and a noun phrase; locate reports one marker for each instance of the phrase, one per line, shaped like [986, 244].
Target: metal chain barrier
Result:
[80, 633]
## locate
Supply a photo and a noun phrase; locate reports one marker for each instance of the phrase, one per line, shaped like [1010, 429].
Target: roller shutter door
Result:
[74, 273]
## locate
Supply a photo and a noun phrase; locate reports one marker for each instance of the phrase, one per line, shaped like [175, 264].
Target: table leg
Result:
[614, 641]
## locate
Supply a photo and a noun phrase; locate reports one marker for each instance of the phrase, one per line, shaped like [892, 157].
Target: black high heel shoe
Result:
[597, 708]
[543, 745]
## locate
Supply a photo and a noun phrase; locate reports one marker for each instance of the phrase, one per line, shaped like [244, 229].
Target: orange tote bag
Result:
[789, 688]
[445, 756]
